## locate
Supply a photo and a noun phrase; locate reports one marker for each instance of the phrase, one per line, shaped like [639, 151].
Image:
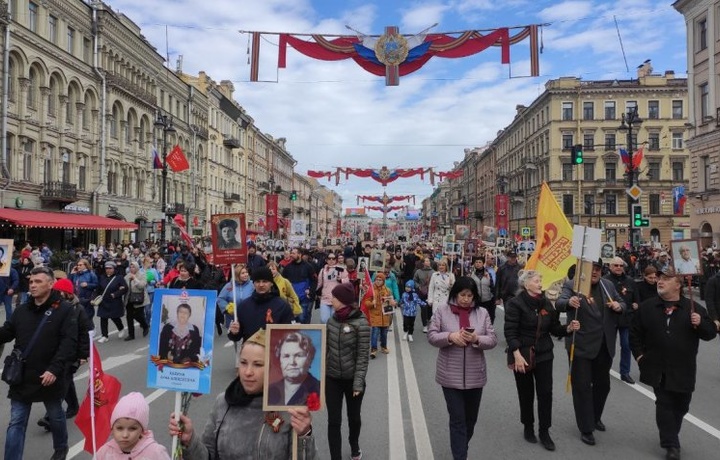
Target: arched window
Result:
[71, 108]
[33, 89]
[54, 96]
[115, 122]
[12, 83]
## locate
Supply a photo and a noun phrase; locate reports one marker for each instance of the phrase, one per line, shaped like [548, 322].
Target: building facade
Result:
[702, 20]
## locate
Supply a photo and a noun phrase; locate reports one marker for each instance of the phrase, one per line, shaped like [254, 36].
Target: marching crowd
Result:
[637, 297]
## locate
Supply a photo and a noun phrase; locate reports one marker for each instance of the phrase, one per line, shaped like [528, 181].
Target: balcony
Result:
[230, 197]
[174, 208]
[231, 142]
[61, 192]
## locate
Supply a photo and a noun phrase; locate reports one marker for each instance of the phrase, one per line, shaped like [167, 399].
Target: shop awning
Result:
[44, 219]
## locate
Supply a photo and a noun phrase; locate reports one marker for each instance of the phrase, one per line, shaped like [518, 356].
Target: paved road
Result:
[404, 415]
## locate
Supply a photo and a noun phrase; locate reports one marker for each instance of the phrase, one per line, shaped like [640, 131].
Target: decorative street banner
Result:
[502, 210]
[393, 54]
[181, 340]
[384, 175]
[228, 238]
[271, 210]
[385, 199]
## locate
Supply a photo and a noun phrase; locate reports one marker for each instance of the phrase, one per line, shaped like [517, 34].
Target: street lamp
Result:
[628, 121]
[164, 122]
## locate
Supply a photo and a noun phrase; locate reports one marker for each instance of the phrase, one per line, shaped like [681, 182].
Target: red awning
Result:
[45, 219]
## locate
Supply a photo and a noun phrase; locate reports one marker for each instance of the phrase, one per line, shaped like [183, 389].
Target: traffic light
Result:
[577, 154]
[637, 217]
[293, 196]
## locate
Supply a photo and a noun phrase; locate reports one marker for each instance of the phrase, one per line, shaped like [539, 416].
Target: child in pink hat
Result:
[131, 438]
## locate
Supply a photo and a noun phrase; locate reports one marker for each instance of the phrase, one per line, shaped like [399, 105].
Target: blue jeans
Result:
[7, 299]
[306, 311]
[625, 354]
[23, 297]
[378, 332]
[326, 311]
[19, 415]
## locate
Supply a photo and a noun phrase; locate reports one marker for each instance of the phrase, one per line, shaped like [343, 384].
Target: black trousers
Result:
[104, 325]
[335, 391]
[590, 388]
[490, 307]
[670, 408]
[425, 314]
[409, 324]
[538, 381]
[463, 407]
[132, 313]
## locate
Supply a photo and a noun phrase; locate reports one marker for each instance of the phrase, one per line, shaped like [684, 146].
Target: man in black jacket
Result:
[46, 367]
[712, 299]
[664, 338]
[302, 277]
[625, 286]
[594, 348]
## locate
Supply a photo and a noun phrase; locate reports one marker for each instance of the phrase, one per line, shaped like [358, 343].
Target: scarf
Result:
[535, 302]
[344, 313]
[235, 394]
[463, 313]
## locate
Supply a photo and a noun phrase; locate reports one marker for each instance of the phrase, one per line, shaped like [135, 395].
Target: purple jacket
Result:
[458, 367]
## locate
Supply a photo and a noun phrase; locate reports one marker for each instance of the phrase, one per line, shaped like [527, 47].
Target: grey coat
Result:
[348, 346]
[596, 323]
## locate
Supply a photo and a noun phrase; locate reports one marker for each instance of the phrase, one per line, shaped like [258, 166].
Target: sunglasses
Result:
[331, 258]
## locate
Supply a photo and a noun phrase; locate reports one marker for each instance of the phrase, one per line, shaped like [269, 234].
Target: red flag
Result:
[176, 160]
[180, 223]
[104, 393]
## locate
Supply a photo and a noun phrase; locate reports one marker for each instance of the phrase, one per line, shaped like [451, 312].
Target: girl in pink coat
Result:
[130, 437]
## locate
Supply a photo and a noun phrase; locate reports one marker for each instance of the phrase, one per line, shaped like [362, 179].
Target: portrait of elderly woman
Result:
[293, 355]
[180, 339]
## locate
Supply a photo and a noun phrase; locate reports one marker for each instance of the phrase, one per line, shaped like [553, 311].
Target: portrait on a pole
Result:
[295, 366]
[181, 340]
[686, 257]
[228, 238]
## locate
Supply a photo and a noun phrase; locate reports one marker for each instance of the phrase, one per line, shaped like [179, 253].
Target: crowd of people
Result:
[636, 297]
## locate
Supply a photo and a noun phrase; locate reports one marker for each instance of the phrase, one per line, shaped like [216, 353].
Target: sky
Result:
[335, 114]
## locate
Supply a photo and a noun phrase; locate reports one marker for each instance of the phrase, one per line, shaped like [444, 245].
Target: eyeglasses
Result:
[331, 258]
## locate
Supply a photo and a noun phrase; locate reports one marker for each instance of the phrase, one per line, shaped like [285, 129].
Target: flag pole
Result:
[578, 274]
[178, 397]
[91, 387]
[232, 279]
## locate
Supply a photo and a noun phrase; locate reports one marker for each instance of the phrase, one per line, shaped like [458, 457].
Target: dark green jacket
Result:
[348, 347]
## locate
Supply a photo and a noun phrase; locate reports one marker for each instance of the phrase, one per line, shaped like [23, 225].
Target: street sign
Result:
[525, 231]
[634, 192]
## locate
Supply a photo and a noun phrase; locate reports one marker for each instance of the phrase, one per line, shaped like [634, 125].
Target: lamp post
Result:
[630, 120]
[165, 123]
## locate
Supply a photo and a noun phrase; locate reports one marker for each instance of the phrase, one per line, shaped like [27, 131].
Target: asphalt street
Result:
[404, 414]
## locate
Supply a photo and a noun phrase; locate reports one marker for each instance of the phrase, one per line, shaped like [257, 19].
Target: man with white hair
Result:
[626, 288]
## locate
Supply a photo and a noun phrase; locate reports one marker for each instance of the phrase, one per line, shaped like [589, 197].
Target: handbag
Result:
[14, 366]
[135, 298]
[98, 300]
[527, 351]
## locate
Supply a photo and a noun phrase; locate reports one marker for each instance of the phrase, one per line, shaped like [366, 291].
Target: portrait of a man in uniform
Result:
[227, 232]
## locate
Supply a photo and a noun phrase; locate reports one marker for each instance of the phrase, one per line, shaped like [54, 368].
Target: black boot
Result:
[60, 454]
[530, 434]
[546, 440]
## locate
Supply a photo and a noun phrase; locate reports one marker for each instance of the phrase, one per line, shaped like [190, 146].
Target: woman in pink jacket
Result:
[462, 331]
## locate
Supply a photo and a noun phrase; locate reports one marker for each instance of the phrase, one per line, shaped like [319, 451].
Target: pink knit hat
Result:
[132, 406]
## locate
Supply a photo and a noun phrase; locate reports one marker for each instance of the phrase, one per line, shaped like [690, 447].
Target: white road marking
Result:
[396, 431]
[417, 414]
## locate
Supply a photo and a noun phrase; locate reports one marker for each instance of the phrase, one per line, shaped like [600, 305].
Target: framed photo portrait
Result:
[387, 308]
[607, 252]
[6, 252]
[294, 365]
[362, 267]
[228, 238]
[449, 248]
[377, 260]
[686, 257]
[181, 340]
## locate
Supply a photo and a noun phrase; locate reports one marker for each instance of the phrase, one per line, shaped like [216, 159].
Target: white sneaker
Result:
[405, 336]
[410, 338]
[123, 334]
[389, 328]
[425, 329]
[102, 339]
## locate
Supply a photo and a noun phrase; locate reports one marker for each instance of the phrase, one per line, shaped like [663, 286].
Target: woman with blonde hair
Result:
[243, 290]
[440, 284]
[286, 290]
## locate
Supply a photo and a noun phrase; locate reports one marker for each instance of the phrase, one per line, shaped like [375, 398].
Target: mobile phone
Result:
[470, 329]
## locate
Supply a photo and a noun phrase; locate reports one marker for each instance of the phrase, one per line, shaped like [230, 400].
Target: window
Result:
[82, 175]
[702, 34]
[654, 170]
[32, 89]
[588, 171]
[610, 141]
[654, 141]
[630, 106]
[27, 160]
[654, 201]
[126, 184]
[677, 110]
[568, 202]
[610, 204]
[66, 168]
[87, 50]
[706, 184]
[677, 141]
[12, 78]
[567, 111]
[52, 29]
[567, 172]
[588, 110]
[653, 110]
[589, 141]
[32, 17]
[678, 171]
[70, 40]
[589, 204]
[610, 173]
[610, 110]
[567, 141]
[704, 93]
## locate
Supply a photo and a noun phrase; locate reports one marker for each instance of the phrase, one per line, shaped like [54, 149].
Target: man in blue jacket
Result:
[8, 287]
[301, 275]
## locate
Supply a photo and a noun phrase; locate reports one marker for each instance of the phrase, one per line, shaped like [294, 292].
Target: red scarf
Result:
[463, 313]
[343, 313]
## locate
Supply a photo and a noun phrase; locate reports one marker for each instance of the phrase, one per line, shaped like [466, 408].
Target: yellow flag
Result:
[552, 256]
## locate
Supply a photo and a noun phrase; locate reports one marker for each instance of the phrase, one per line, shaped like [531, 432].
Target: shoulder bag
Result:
[12, 373]
[527, 351]
[98, 300]
[135, 298]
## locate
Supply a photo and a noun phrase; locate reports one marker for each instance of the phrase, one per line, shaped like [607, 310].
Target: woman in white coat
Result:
[440, 283]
